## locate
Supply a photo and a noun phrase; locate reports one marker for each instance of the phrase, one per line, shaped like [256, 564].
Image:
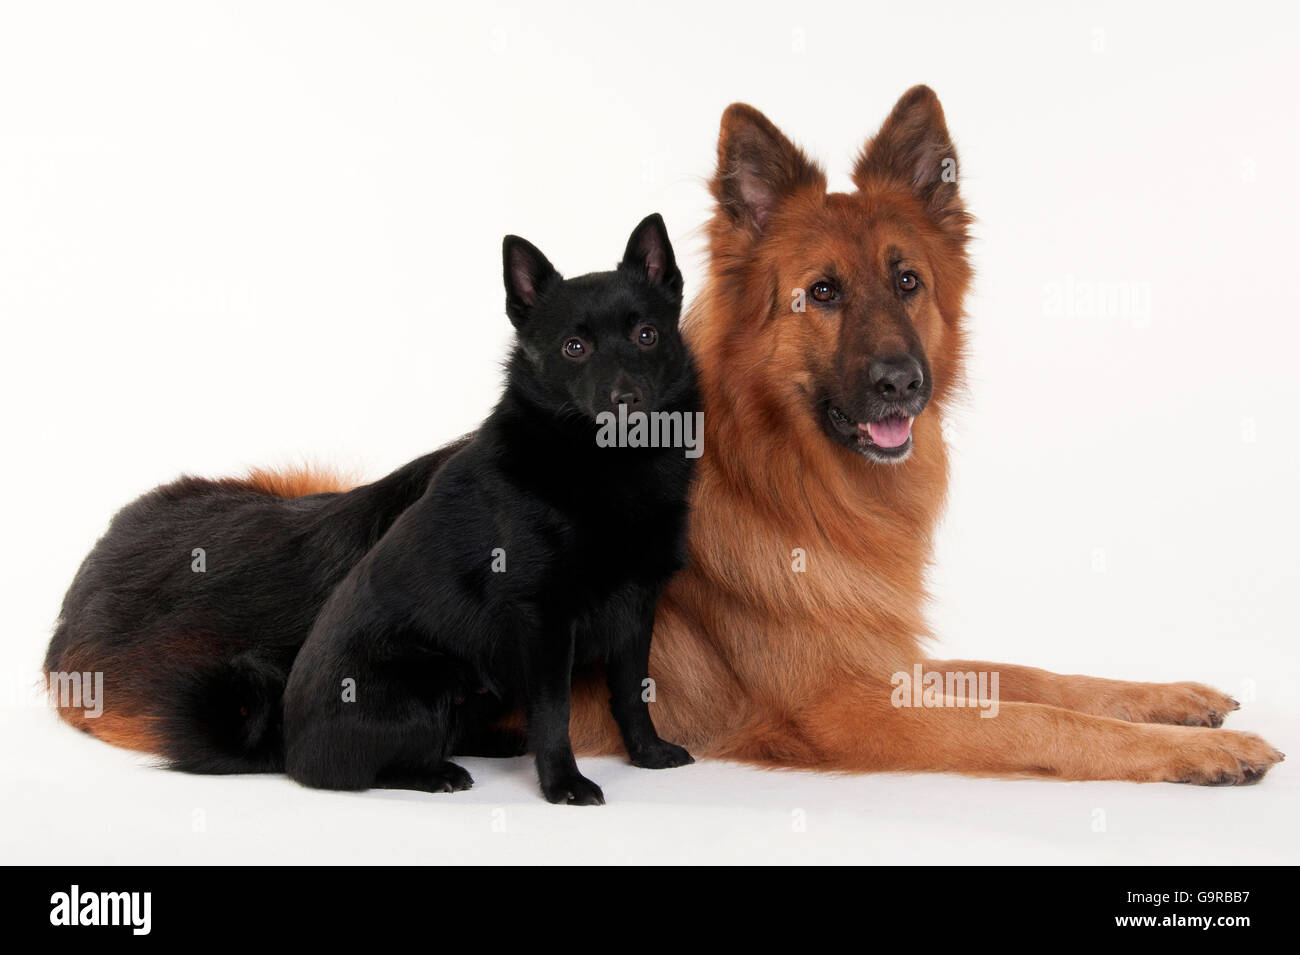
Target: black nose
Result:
[630, 397]
[897, 378]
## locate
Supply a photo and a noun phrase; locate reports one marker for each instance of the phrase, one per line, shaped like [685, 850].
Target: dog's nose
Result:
[897, 378]
[626, 396]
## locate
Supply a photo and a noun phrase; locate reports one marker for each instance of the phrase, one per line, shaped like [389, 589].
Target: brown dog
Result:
[824, 454]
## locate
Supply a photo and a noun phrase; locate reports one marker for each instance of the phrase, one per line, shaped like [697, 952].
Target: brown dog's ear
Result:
[758, 168]
[913, 147]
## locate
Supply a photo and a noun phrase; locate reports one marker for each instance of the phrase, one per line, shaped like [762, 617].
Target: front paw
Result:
[1211, 757]
[660, 754]
[1186, 704]
[574, 790]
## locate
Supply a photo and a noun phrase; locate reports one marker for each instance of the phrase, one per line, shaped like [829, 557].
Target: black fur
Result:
[202, 658]
[432, 630]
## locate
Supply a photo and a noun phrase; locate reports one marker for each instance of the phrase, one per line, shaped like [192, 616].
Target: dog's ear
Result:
[528, 275]
[913, 148]
[758, 168]
[650, 253]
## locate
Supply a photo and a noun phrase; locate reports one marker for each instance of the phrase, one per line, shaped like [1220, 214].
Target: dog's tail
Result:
[226, 718]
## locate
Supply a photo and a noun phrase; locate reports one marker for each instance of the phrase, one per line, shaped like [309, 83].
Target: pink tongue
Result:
[889, 433]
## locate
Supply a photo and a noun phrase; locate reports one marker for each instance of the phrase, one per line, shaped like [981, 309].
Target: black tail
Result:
[227, 718]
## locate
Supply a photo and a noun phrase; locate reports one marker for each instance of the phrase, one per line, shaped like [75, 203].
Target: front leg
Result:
[626, 670]
[550, 677]
[1185, 704]
[859, 728]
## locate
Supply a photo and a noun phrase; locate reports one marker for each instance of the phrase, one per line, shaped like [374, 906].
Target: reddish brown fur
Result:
[125, 719]
[295, 482]
[130, 731]
[756, 662]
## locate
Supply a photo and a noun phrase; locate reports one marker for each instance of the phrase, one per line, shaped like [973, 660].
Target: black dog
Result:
[534, 550]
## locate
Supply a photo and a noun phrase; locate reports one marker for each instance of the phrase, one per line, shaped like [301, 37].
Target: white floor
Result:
[71, 800]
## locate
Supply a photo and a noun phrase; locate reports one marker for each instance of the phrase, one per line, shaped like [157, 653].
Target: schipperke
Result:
[540, 547]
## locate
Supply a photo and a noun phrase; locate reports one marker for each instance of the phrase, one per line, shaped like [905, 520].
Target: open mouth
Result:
[888, 438]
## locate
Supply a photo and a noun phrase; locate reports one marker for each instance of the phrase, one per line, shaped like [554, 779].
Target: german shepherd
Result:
[826, 454]
[535, 550]
[829, 339]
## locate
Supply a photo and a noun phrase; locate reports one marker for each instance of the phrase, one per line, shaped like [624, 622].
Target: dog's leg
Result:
[856, 728]
[550, 674]
[1186, 704]
[625, 670]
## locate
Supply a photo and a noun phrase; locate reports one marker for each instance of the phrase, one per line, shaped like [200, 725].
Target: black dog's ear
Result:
[528, 275]
[651, 254]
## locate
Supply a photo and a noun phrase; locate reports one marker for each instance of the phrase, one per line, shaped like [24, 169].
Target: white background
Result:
[237, 234]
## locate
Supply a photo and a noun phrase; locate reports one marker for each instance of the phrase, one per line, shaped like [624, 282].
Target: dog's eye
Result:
[574, 349]
[825, 291]
[908, 281]
[646, 336]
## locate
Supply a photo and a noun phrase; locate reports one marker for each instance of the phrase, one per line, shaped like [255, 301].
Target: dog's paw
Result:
[575, 790]
[1224, 758]
[660, 754]
[454, 778]
[446, 778]
[1182, 704]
